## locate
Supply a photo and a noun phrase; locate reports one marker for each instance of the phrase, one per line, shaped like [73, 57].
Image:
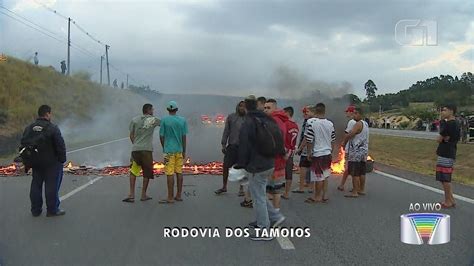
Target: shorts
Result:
[304, 162]
[321, 168]
[142, 160]
[173, 163]
[357, 168]
[231, 155]
[275, 186]
[289, 169]
[444, 169]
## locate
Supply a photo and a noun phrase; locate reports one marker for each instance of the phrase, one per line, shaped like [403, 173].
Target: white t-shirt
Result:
[350, 125]
[320, 132]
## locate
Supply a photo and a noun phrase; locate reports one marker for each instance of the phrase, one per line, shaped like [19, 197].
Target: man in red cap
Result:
[350, 124]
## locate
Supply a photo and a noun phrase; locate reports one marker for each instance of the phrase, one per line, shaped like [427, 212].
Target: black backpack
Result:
[33, 145]
[269, 142]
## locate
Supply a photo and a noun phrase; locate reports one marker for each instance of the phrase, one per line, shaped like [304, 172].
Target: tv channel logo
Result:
[416, 32]
[430, 228]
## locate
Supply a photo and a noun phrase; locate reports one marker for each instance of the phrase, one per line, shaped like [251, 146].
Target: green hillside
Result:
[75, 99]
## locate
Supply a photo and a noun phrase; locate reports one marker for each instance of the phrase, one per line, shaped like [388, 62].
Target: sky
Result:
[241, 47]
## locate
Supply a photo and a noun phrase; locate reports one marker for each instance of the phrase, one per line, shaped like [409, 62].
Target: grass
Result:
[419, 156]
[23, 87]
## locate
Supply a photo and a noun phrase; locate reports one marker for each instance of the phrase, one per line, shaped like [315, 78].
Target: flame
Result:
[9, 170]
[69, 165]
[369, 158]
[158, 166]
[338, 167]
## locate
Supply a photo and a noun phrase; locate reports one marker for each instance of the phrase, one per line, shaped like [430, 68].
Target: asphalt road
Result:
[99, 229]
[404, 133]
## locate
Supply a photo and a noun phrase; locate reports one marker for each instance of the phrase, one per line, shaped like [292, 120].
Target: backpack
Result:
[33, 145]
[269, 141]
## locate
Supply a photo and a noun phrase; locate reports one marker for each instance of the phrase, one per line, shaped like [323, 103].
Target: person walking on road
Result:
[259, 166]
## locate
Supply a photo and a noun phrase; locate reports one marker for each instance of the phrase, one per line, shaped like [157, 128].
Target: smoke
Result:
[111, 121]
[298, 90]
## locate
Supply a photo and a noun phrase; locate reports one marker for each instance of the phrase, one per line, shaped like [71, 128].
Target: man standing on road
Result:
[358, 149]
[230, 143]
[259, 167]
[141, 135]
[290, 145]
[447, 148]
[43, 141]
[277, 182]
[304, 164]
[350, 124]
[173, 132]
[261, 103]
[320, 136]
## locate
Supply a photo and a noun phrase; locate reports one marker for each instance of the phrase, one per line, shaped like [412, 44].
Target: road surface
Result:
[404, 133]
[99, 229]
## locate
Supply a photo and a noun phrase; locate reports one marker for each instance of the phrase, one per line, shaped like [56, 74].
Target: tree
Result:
[370, 89]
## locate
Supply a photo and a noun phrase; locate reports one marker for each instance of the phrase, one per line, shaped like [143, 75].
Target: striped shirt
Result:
[320, 132]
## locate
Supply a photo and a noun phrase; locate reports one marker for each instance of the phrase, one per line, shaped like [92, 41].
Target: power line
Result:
[39, 30]
[51, 10]
[37, 25]
[87, 33]
[45, 31]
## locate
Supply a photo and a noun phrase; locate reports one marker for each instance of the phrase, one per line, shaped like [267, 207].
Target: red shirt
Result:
[292, 132]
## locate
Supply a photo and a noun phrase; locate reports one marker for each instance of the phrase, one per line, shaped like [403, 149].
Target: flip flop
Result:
[220, 191]
[145, 199]
[350, 196]
[310, 201]
[297, 191]
[285, 197]
[165, 202]
[325, 200]
[361, 193]
[178, 199]
[129, 200]
[340, 188]
[444, 206]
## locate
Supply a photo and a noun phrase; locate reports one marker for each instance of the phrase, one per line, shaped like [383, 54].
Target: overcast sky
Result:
[238, 47]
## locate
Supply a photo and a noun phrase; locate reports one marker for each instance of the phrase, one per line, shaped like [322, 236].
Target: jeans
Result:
[264, 209]
[51, 177]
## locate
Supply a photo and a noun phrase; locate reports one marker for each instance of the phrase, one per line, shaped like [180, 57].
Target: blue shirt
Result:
[173, 128]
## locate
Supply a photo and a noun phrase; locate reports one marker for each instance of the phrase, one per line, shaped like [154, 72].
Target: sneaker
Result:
[59, 212]
[278, 222]
[253, 224]
[256, 237]
[36, 214]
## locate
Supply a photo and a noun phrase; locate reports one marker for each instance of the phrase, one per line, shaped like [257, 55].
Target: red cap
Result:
[350, 109]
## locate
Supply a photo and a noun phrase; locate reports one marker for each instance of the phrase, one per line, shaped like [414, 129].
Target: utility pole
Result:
[101, 60]
[68, 46]
[107, 59]
[127, 81]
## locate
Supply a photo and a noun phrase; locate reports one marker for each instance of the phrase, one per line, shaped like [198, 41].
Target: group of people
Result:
[270, 178]
[63, 63]
[173, 130]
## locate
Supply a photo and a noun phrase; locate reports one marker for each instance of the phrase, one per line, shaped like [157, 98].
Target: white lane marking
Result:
[68, 195]
[97, 145]
[423, 186]
[285, 243]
